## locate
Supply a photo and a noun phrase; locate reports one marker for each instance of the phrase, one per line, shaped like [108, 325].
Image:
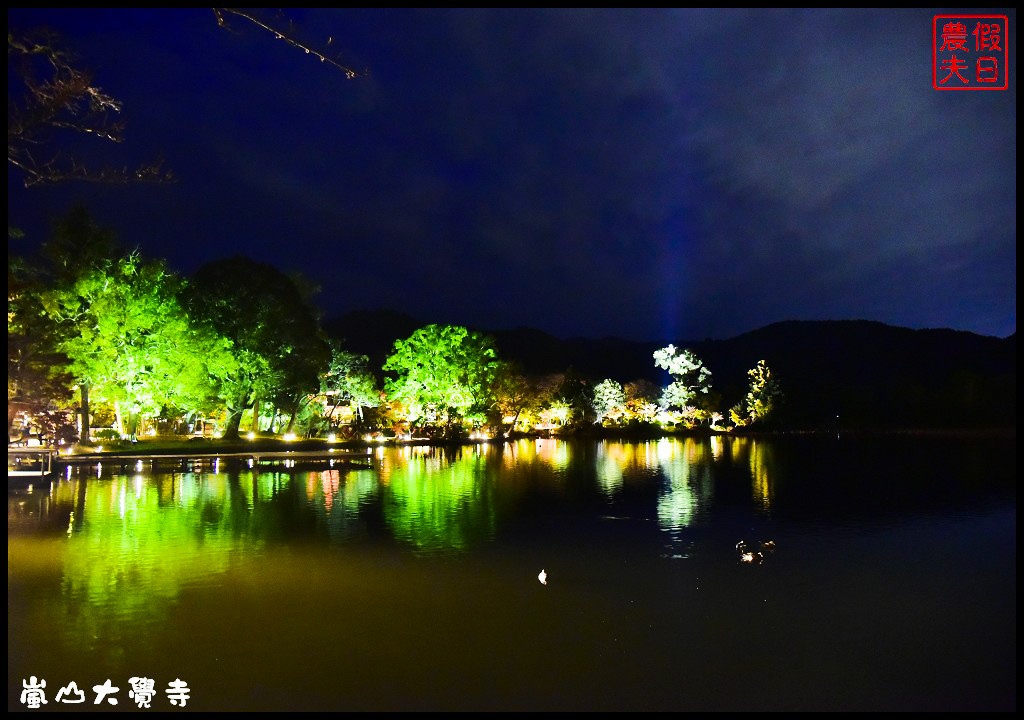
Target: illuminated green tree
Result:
[443, 372]
[129, 339]
[761, 399]
[116, 324]
[76, 248]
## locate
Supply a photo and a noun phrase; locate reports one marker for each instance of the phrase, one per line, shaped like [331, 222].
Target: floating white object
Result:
[543, 577]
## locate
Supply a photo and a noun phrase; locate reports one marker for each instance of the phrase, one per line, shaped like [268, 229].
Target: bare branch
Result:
[65, 99]
[54, 171]
[287, 35]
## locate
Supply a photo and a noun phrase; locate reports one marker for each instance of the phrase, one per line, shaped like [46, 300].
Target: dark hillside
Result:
[868, 374]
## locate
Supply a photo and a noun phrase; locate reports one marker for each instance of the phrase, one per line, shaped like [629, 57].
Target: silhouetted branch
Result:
[65, 99]
[287, 35]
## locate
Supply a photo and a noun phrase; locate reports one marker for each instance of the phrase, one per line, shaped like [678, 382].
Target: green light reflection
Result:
[438, 502]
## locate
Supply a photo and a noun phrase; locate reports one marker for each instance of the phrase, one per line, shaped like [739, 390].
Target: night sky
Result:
[654, 175]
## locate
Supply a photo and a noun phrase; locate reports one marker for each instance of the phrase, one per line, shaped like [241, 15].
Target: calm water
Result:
[413, 585]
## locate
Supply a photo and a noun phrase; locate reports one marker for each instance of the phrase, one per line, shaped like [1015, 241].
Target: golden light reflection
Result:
[615, 460]
[761, 466]
[513, 451]
[553, 451]
[609, 470]
[716, 447]
[737, 445]
[760, 458]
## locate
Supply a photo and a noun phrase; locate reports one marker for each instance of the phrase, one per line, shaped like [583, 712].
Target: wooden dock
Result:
[256, 456]
[30, 462]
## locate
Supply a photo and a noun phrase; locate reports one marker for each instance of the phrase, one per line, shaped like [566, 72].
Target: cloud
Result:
[652, 174]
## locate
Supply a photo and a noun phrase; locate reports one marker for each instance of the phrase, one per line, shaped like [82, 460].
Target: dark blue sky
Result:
[648, 174]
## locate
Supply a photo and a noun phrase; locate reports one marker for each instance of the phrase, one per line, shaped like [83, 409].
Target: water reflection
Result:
[133, 542]
[130, 542]
[687, 469]
[554, 452]
[433, 499]
[617, 460]
[759, 457]
[441, 500]
[762, 470]
[338, 500]
[302, 573]
[688, 485]
[549, 453]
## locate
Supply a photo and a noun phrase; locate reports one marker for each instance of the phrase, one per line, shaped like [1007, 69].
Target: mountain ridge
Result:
[865, 372]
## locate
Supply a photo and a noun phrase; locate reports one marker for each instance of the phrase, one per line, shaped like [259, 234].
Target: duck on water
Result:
[755, 552]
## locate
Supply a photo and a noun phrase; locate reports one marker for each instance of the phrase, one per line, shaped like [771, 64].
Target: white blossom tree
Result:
[609, 398]
[691, 381]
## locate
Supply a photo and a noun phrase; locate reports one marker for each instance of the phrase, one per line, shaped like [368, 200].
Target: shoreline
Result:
[200, 448]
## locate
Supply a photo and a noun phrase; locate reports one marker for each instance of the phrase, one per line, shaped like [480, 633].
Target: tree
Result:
[642, 400]
[296, 391]
[514, 394]
[574, 395]
[761, 399]
[76, 248]
[442, 371]
[279, 349]
[546, 407]
[738, 414]
[52, 100]
[130, 341]
[349, 380]
[691, 384]
[38, 383]
[609, 398]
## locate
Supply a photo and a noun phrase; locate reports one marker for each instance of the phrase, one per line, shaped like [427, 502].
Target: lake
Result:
[413, 585]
